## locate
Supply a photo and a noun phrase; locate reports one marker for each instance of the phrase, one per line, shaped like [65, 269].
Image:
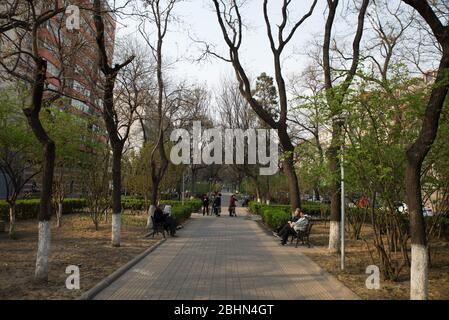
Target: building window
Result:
[80, 105]
[81, 89]
[52, 69]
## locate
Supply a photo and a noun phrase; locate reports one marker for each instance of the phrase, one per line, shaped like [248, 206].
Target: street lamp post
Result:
[343, 119]
[183, 188]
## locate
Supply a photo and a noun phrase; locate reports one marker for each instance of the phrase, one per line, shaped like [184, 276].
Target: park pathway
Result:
[225, 258]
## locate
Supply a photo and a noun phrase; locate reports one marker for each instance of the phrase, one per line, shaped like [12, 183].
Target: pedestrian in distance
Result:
[232, 205]
[217, 204]
[205, 204]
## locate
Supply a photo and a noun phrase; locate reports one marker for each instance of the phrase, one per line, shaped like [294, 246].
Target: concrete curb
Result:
[90, 294]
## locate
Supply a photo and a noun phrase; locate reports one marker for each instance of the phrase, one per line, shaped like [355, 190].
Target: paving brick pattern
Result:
[225, 258]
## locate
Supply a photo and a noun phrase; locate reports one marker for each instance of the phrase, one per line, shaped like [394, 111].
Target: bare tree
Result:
[418, 150]
[21, 25]
[159, 14]
[96, 185]
[310, 115]
[335, 96]
[112, 117]
[234, 112]
[230, 21]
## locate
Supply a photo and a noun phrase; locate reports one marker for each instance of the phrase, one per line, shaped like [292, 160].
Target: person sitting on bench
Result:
[299, 223]
[170, 223]
[158, 215]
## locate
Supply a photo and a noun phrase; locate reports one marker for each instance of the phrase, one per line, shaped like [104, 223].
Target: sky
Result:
[198, 21]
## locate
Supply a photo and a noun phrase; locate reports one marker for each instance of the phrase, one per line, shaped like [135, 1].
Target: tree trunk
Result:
[153, 200]
[419, 265]
[59, 215]
[289, 168]
[335, 206]
[150, 214]
[293, 187]
[154, 191]
[44, 215]
[416, 154]
[43, 252]
[193, 181]
[316, 190]
[268, 190]
[116, 194]
[12, 222]
[257, 192]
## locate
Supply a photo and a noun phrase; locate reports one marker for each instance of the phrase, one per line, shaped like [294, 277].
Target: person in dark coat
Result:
[217, 204]
[205, 204]
[170, 224]
[158, 215]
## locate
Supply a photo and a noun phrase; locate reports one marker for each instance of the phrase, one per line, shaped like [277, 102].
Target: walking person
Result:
[217, 204]
[205, 204]
[232, 205]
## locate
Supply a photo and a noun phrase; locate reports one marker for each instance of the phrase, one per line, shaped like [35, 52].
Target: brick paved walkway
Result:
[225, 258]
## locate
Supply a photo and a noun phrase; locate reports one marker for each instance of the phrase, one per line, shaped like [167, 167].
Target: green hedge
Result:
[195, 204]
[28, 209]
[183, 212]
[309, 208]
[274, 217]
[129, 203]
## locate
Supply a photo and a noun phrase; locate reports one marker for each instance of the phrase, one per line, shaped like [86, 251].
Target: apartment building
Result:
[72, 67]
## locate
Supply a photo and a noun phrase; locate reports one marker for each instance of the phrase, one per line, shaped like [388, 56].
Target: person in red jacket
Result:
[232, 205]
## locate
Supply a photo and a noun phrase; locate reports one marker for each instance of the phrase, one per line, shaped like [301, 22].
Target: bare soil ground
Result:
[358, 258]
[75, 243]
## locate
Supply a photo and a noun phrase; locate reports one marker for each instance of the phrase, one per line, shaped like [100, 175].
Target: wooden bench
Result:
[157, 228]
[303, 235]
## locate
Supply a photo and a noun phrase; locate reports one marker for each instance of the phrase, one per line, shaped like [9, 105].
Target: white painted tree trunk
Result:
[43, 251]
[334, 236]
[12, 223]
[116, 227]
[419, 273]
[59, 215]
[150, 214]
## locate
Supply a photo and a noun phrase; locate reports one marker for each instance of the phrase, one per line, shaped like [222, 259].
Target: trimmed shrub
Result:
[254, 207]
[309, 208]
[181, 213]
[194, 205]
[133, 204]
[274, 217]
[72, 205]
[28, 209]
